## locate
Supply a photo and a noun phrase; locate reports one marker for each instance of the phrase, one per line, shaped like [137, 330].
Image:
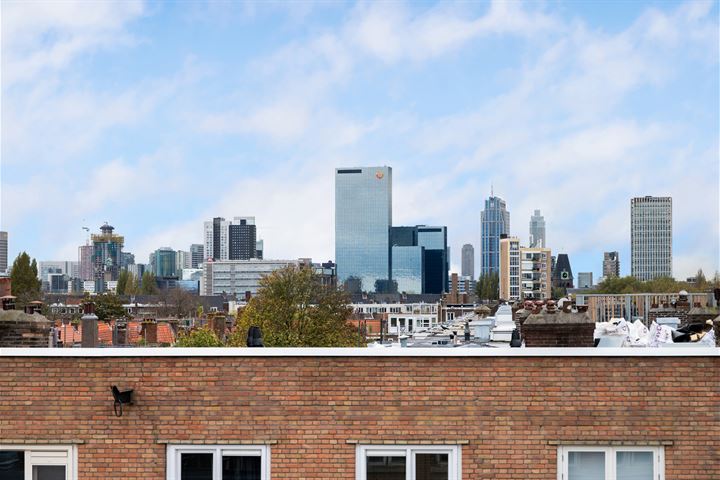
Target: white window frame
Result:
[454, 453]
[174, 452]
[56, 455]
[610, 457]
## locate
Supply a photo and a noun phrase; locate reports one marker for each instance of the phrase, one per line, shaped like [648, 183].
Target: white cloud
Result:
[45, 36]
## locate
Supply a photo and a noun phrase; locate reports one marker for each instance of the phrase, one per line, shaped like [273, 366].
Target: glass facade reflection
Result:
[407, 268]
[495, 221]
[363, 216]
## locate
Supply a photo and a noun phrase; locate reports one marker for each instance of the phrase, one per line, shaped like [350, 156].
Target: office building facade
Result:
[164, 263]
[611, 264]
[85, 262]
[495, 221]
[537, 230]
[436, 261]
[197, 255]
[651, 237]
[363, 217]
[468, 261]
[419, 259]
[238, 277]
[3, 252]
[585, 280]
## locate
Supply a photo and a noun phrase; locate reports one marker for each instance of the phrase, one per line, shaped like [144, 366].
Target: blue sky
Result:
[156, 116]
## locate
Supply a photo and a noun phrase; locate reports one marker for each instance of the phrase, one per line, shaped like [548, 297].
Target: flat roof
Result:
[361, 352]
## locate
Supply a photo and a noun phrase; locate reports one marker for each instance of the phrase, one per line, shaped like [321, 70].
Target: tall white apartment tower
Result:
[651, 237]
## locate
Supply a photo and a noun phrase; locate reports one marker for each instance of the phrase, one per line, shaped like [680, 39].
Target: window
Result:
[408, 462]
[611, 463]
[38, 462]
[218, 462]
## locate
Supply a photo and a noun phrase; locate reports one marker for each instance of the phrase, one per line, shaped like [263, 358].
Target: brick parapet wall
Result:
[509, 410]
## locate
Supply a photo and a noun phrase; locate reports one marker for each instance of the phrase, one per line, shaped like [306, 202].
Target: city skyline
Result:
[612, 105]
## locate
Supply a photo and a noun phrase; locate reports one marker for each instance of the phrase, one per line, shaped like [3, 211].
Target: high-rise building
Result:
[197, 255]
[182, 260]
[468, 261]
[509, 277]
[537, 230]
[651, 237]
[436, 259]
[495, 221]
[611, 264]
[259, 249]
[585, 280]
[230, 240]
[107, 254]
[126, 259]
[85, 262]
[363, 217]
[419, 259]
[3, 252]
[164, 263]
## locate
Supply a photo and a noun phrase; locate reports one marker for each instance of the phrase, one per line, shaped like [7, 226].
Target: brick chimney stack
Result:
[149, 331]
[89, 322]
[553, 328]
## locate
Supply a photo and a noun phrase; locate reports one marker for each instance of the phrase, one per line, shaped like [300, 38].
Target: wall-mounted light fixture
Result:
[121, 398]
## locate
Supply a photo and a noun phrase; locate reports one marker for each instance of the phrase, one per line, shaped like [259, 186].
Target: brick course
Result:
[511, 411]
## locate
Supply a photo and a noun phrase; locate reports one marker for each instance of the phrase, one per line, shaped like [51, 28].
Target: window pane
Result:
[48, 472]
[385, 468]
[12, 465]
[241, 468]
[634, 465]
[431, 466]
[586, 466]
[196, 466]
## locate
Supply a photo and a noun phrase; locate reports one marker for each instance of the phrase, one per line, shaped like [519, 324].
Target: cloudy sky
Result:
[157, 116]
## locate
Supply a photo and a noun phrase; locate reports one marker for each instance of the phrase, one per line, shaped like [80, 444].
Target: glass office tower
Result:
[408, 267]
[434, 241]
[495, 221]
[363, 216]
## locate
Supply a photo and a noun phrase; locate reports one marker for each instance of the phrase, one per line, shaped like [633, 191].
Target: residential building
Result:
[585, 280]
[230, 240]
[164, 263]
[651, 237]
[238, 277]
[85, 262]
[363, 217]
[3, 252]
[562, 273]
[107, 255]
[197, 255]
[380, 413]
[535, 274]
[495, 221]
[509, 277]
[611, 264]
[537, 230]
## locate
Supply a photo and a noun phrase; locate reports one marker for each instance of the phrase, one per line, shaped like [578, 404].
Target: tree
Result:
[488, 287]
[108, 306]
[148, 284]
[122, 282]
[294, 309]
[199, 337]
[24, 279]
[133, 284]
[178, 302]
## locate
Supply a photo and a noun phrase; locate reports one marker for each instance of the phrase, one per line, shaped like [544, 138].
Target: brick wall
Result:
[511, 411]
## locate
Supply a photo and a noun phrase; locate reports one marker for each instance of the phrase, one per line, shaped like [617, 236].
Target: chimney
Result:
[89, 322]
[149, 330]
[216, 323]
[560, 329]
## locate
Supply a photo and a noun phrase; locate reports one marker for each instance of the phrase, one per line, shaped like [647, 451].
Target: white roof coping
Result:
[359, 352]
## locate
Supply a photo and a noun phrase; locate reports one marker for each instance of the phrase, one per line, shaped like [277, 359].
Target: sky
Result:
[157, 116]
